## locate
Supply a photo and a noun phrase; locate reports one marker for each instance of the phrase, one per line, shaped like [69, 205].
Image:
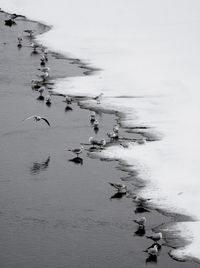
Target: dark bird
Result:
[37, 118]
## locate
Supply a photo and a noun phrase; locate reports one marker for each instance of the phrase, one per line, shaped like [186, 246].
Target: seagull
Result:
[98, 98]
[44, 76]
[113, 135]
[48, 100]
[141, 141]
[34, 46]
[37, 118]
[116, 128]
[68, 100]
[120, 187]
[92, 117]
[96, 124]
[152, 251]
[41, 90]
[140, 199]
[42, 60]
[141, 221]
[30, 32]
[36, 84]
[44, 69]
[100, 143]
[77, 151]
[155, 237]
[124, 145]
[19, 42]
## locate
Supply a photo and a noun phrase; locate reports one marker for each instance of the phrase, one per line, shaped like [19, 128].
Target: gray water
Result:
[54, 212]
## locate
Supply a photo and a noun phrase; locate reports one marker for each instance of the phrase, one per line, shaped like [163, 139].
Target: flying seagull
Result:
[77, 151]
[37, 118]
[120, 187]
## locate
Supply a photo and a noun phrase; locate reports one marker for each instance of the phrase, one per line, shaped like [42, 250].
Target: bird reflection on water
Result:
[118, 195]
[37, 167]
[141, 209]
[151, 259]
[140, 231]
[68, 108]
[77, 160]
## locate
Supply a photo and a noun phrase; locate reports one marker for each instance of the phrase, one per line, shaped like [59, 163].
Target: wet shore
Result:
[57, 212]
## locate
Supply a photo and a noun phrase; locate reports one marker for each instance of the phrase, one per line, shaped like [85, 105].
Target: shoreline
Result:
[104, 112]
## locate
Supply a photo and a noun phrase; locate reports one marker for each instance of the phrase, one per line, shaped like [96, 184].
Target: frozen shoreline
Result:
[107, 103]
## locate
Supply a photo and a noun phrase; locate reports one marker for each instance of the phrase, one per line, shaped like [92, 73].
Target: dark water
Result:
[55, 212]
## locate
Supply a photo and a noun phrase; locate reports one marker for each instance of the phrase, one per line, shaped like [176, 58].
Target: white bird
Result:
[68, 100]
[48, 99]
[120, 187]
[113, 135]
[30, 32]
[155, 237]
[77, 151]
[44, 76]
[43, 60]
[37, 118]
[41, 90]
[124, 145]
[116, 128]
[34, 46]
[141, 221]
[153, 251]
[93, 116]
[98, 98]
[96, 124]
[140, 199]
[44, 69]
[36, 84]
[141, 141]
[19, 42]
[100, 143]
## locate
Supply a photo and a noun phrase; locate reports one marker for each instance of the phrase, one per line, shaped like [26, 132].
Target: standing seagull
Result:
[98, 98]
[153, 251]
[77, 151]
[34, 46]
[19, 42]
[141, 221]
[120, 187]
[155, 237]
[30, 32]
[37, 118]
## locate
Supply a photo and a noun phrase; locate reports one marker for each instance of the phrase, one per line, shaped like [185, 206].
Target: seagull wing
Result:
[33, 116]
[45, 120]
